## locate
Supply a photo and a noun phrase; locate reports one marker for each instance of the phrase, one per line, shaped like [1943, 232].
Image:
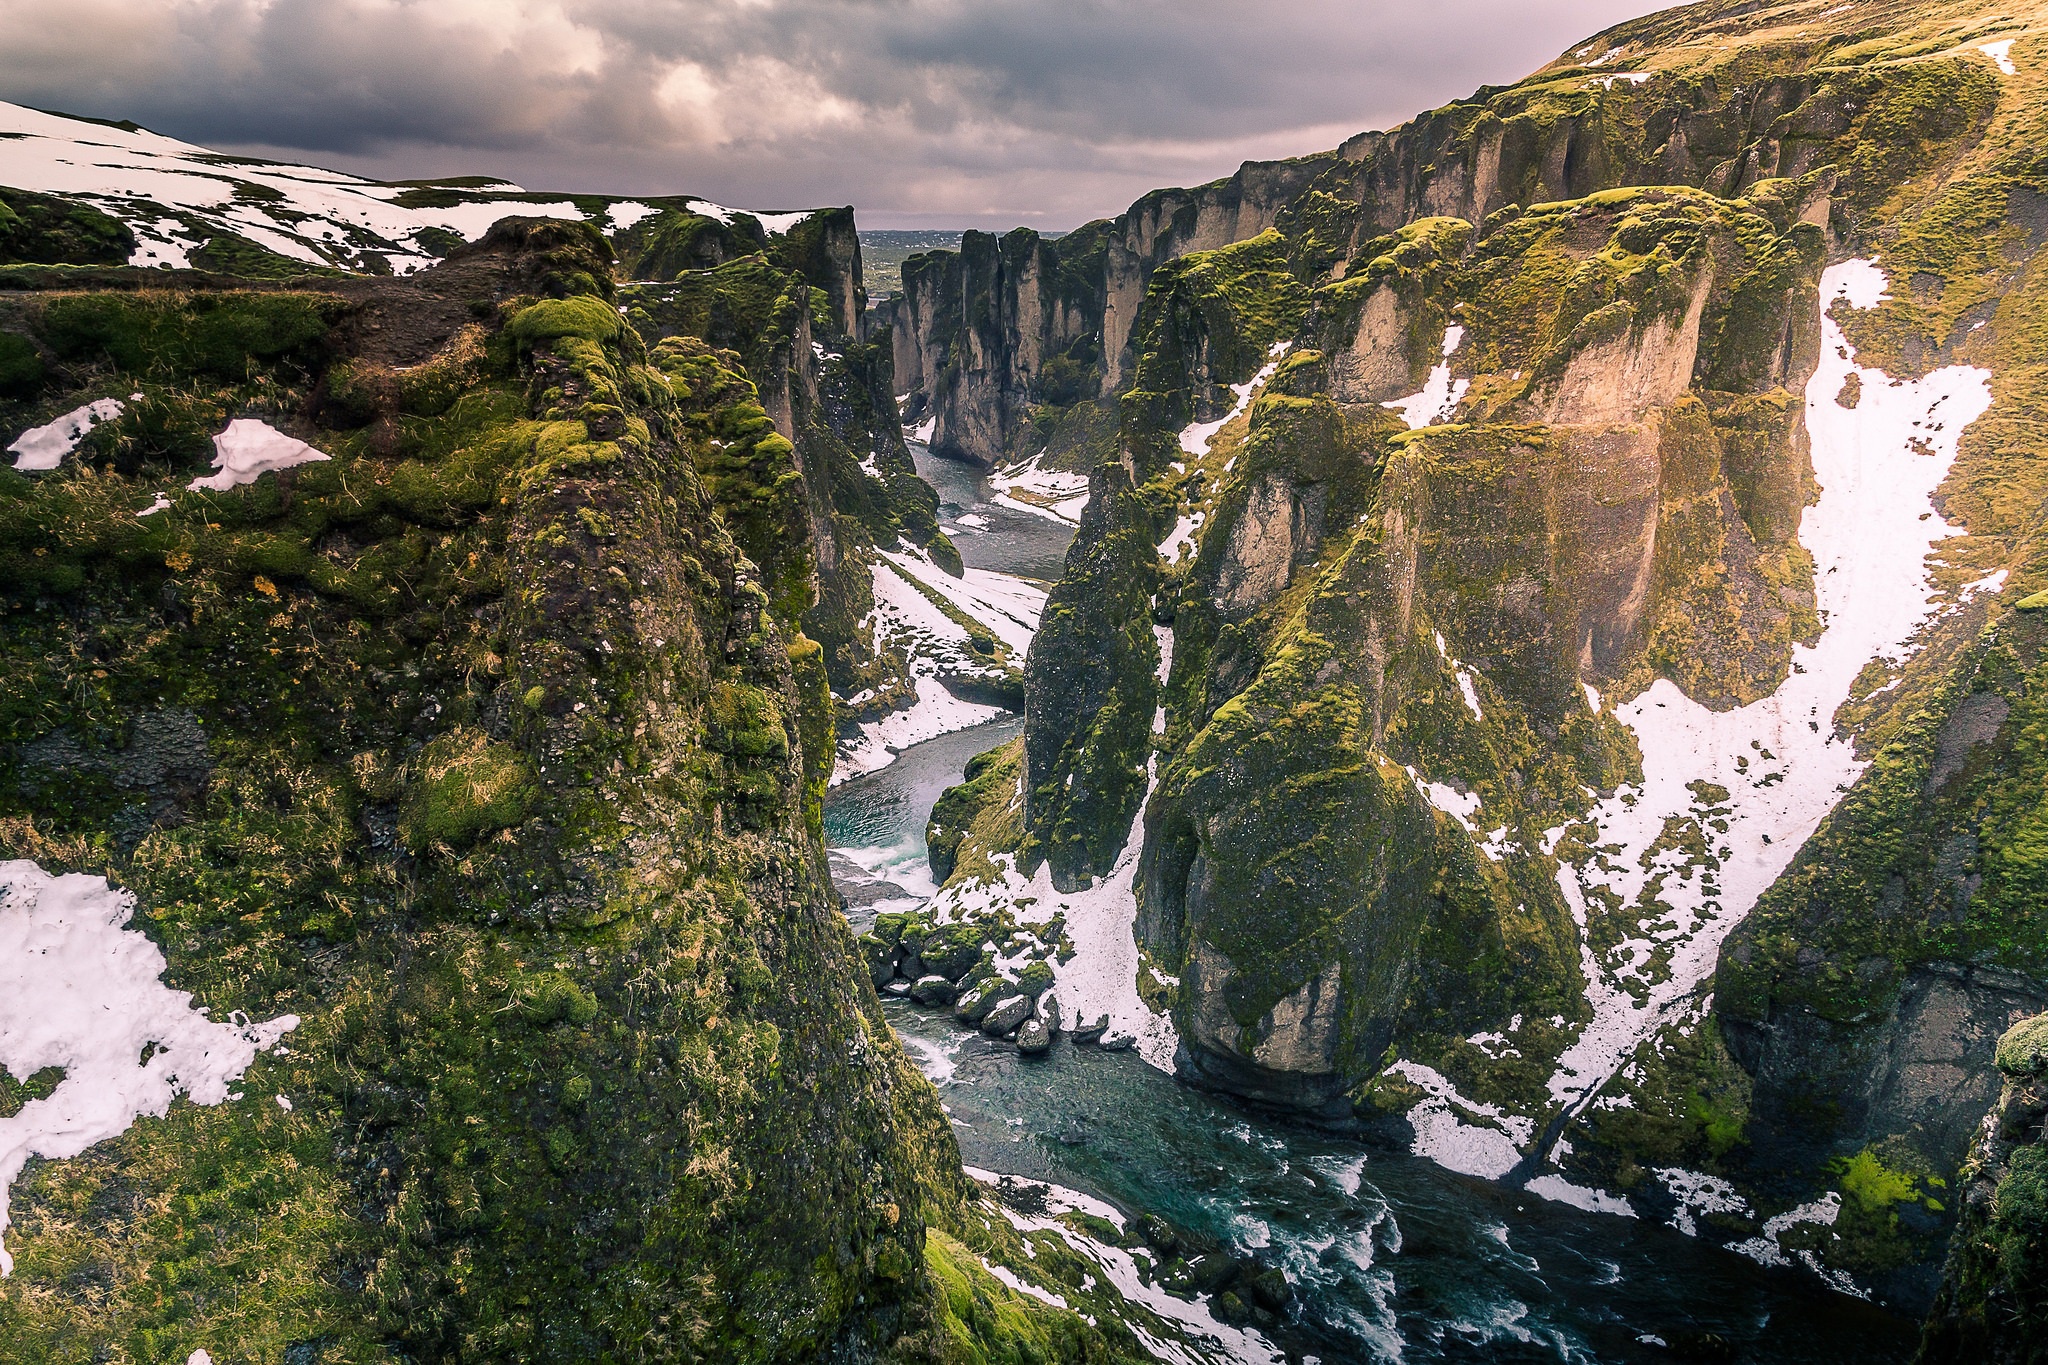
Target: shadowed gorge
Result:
[1149, 793]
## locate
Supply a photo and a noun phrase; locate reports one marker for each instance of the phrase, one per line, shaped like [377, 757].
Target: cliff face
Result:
[478, 746]
[1511, 494]
[997, 342]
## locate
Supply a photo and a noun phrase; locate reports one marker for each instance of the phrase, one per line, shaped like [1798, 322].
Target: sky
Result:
[920, 113]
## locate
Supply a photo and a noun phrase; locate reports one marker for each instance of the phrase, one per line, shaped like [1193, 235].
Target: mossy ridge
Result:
[1209, 321]
[40, 229]
[1090, 689]
[299, 583]
[978, 817]
[834, 459]
[1947, 819]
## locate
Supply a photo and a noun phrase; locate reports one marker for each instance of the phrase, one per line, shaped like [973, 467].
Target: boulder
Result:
[1269, 1289]
[898, 987]
[1159, 1235]
[1005, 1015]
[1213, 1273]
[1033, 1036]
[1119, 1041]
[933, 990]
[1090, 1032]
[951, 951]
[881, 958]
[1035, 980]
[1047, 1012]
[975, 1002]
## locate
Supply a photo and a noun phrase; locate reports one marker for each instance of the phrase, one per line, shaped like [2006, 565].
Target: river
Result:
[1393, 1257]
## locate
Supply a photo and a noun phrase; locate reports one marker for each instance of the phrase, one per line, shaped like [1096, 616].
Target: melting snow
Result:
[248, 450]
[1068, 490]
[44, 447]
[175, 196]
[81, 992]
[1194, 1319]
[1488, 1149]
[1438, 399]
[1006, 605]
[2000, 52]
[1181, 539]
[1559, 1190]
[1195, 437]
[1780, 759]
[1697, 1192]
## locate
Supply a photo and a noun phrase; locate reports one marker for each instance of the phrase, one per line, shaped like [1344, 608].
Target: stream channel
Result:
[1392, 1257]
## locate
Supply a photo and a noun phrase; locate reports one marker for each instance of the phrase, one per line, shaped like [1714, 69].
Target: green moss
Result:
[230, 338]
[582, 317]
[968, 821]
[465, 785]
[21, 367]
[2023, 1048]
[46, 230]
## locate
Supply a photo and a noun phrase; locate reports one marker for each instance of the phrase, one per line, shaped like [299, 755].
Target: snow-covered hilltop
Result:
[178, 199]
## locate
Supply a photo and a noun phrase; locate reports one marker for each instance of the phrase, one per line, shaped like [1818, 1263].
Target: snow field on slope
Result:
[1780, 758]
[1006, 605]
[318, 217]
[1101, 978]
[1061, 495]
[80, 991]
[1196, 436]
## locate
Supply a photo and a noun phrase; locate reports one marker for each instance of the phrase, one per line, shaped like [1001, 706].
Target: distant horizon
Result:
[943, 115]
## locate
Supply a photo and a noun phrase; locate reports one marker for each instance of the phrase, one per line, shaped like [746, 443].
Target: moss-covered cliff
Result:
[483, 747]
[1380, 879]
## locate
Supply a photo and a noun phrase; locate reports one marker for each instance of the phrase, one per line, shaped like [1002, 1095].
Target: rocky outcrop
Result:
[484, 748]
[992, 339]
[497, 971]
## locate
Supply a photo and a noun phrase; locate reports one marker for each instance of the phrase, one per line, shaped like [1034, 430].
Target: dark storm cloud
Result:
[918, 111]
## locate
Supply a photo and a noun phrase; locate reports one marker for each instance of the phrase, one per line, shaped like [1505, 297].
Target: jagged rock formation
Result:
[1503, 424]
[1005, 341]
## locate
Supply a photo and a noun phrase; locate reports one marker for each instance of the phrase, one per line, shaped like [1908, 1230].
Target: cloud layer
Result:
[920, 112]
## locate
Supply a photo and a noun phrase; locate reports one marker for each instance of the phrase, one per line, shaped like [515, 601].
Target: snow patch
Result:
[1561, 1191]
[1437, 401]
[1699, 1193]
[248, 450]
[80, 991]
[624, 215]
[776, 224]
[1779, 761]
[2000, 52]
[1200, 1337]
[1488, 1146]
[44, 447]
[1196, 436]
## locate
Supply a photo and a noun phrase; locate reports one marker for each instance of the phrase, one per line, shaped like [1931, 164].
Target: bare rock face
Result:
[1627, 367]
[1994, 1288]
[1278, 524]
